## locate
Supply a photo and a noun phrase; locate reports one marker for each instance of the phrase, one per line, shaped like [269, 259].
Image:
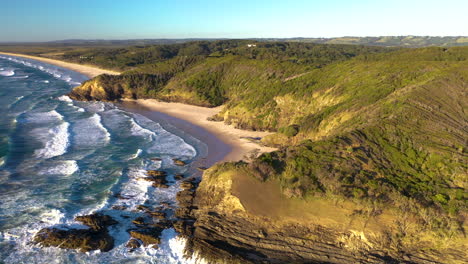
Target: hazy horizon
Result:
[52, 20]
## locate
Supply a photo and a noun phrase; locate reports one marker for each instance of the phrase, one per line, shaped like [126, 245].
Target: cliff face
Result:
[235, 218]
[97, 90]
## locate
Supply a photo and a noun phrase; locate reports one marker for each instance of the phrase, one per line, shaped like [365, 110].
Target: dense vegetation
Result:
[385, 128]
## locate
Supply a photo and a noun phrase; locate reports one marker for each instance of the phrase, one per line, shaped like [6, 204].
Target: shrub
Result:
[289, 131]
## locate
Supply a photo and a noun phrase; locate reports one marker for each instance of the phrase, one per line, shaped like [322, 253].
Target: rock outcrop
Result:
[96, 237]
[98, 89]
[221, 231]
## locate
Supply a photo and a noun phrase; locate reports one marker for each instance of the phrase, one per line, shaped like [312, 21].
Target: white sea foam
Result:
[94, 107]
[7, 73]
[50, 69]
[65, 98]
[57, 142]
[21, 77]
[138, 130]
[90, 132]
[63, 167]
[44, 117]
[137, 154]
[164, 141]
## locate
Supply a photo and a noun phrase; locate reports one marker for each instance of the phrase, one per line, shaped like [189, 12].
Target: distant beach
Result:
[90, 71]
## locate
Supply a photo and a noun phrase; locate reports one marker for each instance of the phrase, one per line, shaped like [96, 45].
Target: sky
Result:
[46, 20]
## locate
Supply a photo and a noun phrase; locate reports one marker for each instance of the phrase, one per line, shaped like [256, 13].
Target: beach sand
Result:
[193, 120]
[225, 143]
[90, 71]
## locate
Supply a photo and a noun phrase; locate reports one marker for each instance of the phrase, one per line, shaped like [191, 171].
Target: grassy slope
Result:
[386, 131]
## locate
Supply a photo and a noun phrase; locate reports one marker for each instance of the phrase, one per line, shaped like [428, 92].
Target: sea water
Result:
[61, 158]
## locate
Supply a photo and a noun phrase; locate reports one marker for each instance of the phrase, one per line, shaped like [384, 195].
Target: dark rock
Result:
[160, 185]
[148, 236]
[142, 207]
[133, 243]
[119, 207]
[158, 181]
[185, 197]
[179, 162]
[156, 173]
[165, 204]
[163, 224]
[139, 221]
[178, 177]
[158, 214]
[183, 213]
[186, 185]
[96, 221]
[82, 239]
[184, 227]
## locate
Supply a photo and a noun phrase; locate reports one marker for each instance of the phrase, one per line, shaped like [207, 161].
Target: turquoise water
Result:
[61, 158]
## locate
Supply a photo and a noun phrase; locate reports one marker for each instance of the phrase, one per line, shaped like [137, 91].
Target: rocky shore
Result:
[146, 229]
[219, 229]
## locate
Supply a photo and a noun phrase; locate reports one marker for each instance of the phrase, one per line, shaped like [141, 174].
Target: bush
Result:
[289, 131]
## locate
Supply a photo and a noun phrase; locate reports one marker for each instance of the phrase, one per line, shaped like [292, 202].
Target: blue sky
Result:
[42, 20]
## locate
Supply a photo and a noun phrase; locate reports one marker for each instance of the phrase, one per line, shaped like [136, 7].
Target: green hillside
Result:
[385, 129]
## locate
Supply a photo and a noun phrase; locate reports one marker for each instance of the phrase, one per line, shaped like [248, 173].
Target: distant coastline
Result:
[90, 71]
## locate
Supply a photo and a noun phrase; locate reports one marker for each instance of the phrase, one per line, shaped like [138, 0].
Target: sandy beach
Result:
[225, 143]
[237, 139]
[90, 71]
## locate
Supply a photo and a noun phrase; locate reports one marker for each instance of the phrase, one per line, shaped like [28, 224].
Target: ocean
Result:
[61, 158]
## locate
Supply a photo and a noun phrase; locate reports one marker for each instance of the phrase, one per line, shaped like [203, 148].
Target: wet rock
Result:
[158, 214]
[149, 236]
[119, 207]
[178, 177]
[184, 212]
[156, 173]
[82, 239]
[166, 204]
[121, 197]
[133, 243]
[139, 221]
[158, 184]
[185, 197]
[96, 221]
[163, 224]
[179, 162]
[158, 181]
[186, 185]
[143, 208]
[184, 227]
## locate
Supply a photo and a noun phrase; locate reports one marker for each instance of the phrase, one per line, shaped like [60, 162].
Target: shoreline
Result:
[193, 120]
[89, 71]
[224, 142]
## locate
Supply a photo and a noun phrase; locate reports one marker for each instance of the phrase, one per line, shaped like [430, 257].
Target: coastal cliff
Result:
[235, 218]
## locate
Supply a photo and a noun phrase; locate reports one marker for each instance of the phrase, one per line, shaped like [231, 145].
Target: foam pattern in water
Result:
[67, 158]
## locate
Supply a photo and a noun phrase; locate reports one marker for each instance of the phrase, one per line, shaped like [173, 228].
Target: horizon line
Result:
[227, 38]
